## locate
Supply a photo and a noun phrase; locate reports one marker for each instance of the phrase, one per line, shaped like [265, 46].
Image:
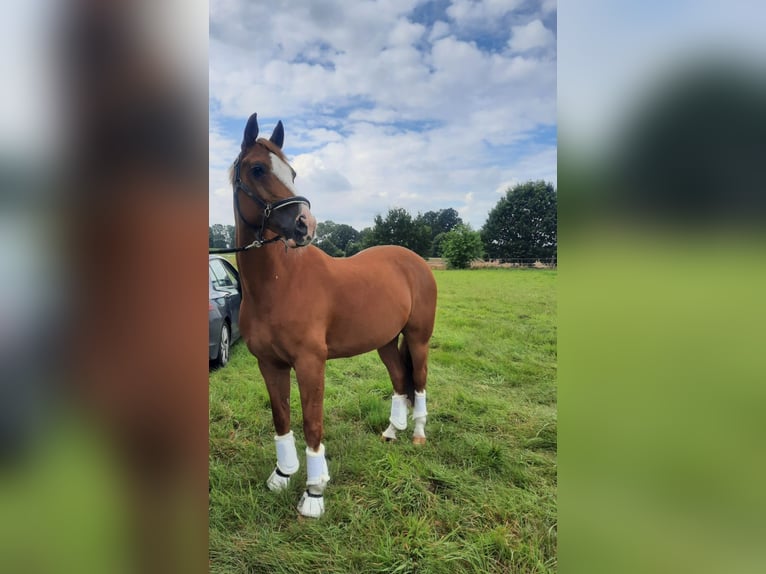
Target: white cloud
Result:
[405, 33]
[29, 124]
[438, 30]
[505, 185]
[548, 6]
[530, 36]
[221, 149]
[379, 111]
[482, 12]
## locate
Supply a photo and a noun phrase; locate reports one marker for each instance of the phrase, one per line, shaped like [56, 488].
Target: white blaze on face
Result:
[282, 171]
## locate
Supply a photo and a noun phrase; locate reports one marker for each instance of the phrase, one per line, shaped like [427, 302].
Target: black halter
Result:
[268, 209]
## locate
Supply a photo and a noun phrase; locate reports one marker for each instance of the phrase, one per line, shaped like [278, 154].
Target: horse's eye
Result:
[258, 170]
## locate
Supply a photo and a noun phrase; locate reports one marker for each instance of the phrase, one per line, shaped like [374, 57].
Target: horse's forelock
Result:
[232, 171]
[269, 145]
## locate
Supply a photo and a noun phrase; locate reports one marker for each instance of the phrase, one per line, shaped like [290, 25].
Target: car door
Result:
[236, 297]
[227, 281]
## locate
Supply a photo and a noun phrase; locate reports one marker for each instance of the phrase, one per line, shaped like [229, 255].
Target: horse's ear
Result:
[251, 132]
[278, 137]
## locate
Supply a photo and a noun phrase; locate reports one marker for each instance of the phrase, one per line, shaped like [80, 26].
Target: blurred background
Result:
[103, 385]
[661, 314]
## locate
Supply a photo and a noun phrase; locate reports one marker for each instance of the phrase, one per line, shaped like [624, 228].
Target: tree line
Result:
[521, 227]
[220, 236]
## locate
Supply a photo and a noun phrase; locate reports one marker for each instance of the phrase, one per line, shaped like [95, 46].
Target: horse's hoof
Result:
[385, 438]
[418, 440]
[277, 482]
[311, 505]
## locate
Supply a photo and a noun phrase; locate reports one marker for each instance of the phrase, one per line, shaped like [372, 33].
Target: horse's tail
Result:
[409, 381]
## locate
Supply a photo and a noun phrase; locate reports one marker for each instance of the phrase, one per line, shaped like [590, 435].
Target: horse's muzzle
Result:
[305, 227]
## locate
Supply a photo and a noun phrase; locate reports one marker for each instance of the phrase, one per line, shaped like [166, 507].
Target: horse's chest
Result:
[272, 336]
[265, 346]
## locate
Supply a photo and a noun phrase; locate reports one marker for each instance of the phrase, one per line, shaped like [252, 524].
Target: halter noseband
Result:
[268, 208]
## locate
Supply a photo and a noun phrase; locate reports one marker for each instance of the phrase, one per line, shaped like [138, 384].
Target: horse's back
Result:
[392, 256]
[392, 262]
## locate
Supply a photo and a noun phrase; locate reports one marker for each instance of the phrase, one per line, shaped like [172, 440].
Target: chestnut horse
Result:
[301, 307]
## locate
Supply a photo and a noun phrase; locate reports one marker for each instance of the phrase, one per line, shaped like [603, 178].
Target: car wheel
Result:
[223, 349]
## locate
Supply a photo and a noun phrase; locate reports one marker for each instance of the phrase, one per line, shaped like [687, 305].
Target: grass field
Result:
[480, 496]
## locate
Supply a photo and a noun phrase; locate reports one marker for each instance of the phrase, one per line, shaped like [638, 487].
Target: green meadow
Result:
[480, 496]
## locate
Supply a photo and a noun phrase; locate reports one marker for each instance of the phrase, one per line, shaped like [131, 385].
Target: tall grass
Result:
[480, 496]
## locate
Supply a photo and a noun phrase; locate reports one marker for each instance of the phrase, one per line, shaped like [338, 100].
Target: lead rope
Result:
[259, 241]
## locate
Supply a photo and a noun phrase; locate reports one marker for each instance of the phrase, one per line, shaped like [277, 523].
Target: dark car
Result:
[223, 308]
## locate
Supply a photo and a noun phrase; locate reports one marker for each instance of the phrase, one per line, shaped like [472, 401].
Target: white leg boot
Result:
[317, 477]
[419, 415]
[287, 462]
[398, 418]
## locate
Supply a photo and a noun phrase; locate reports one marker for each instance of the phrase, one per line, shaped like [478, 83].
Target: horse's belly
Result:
[339, 349]
[364, 330]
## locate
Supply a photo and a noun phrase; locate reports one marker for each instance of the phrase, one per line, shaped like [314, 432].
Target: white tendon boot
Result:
[287, 462]
[419, 415]
[317, 477]
[398, 419]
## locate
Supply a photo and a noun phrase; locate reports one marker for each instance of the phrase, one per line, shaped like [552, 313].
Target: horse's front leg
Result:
[310, 373]
[277, 378]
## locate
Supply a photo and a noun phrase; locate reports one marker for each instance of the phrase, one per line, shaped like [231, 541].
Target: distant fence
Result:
[549, 263]
[529, 263]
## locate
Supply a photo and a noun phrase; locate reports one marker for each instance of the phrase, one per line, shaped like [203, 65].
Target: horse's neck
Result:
[268, 269]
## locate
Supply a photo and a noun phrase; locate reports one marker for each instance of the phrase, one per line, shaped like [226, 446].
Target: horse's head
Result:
[262, 174]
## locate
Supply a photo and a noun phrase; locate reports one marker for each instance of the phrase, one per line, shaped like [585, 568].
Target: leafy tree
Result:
[424, 234]
[343, 236]
[440, 222]
[437, 244]
[330, 248]
[523, 223]
[217, 236]
[365, 238]
[229, 233]
[398, 228]
[324, 237]
[335, 238]
[324, 229]
[353, 247]
[461, 246]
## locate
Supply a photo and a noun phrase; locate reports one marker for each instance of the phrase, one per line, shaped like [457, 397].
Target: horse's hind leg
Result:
[277, 378]
[418, 349]
[391, 357]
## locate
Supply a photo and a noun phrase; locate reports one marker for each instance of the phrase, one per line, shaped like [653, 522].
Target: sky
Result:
[423, 105]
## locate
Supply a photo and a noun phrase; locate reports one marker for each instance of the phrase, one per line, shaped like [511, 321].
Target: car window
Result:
[232, 276]
[221, 279]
